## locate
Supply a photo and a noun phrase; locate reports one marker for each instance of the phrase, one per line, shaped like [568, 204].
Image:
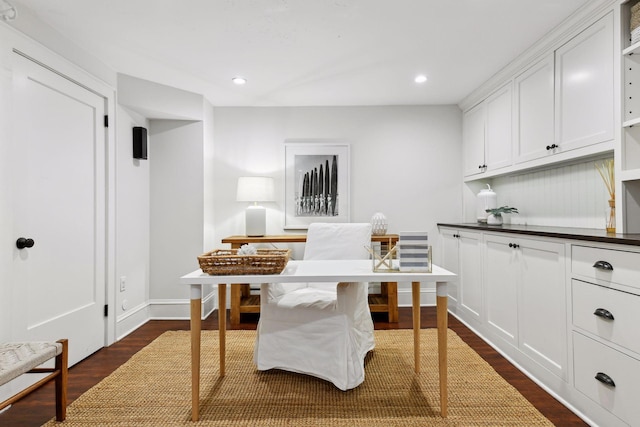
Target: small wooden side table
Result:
[243, 302]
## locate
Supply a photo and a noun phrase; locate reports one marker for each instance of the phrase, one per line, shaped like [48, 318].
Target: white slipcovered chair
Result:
[319, 329]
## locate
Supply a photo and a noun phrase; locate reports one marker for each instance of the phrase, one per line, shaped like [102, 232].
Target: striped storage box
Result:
[414, 251]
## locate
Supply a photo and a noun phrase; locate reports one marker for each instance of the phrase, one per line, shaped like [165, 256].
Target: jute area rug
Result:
[154, 389]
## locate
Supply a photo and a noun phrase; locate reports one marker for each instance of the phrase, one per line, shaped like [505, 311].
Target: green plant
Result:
[502, 209]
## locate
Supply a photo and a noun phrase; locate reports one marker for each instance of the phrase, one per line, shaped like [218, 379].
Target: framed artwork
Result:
[316, 183]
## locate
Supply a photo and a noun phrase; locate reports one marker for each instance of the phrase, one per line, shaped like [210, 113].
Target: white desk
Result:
[319, 271]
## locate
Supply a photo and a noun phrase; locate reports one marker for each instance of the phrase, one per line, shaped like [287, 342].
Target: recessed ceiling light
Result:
[239, 80]
[421, 78]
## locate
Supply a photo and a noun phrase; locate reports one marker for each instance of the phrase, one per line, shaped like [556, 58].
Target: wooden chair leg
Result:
[62, 363]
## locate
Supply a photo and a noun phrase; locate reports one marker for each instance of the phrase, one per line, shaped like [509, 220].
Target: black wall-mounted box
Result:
[139, 142]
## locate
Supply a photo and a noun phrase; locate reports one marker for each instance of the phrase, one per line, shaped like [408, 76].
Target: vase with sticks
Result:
[606, 171]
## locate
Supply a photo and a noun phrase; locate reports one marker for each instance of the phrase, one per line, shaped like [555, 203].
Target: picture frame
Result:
[312, 194]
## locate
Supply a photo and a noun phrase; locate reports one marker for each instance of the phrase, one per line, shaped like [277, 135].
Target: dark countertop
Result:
[587, 234]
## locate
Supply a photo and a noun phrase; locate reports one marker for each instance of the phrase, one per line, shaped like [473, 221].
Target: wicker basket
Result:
[227, 262]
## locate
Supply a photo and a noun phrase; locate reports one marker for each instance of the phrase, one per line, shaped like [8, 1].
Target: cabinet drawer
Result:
[591, 358]
[623, 329]
[625, 265]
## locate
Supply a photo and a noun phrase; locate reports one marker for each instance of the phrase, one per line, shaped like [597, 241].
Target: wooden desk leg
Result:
[237, 292]
[236, 298]
[196, 326]
[222, 323]
[392, 301]
[441, 313]
[415, 297]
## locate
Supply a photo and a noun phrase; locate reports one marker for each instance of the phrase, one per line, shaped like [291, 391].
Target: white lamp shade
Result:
[255, 189]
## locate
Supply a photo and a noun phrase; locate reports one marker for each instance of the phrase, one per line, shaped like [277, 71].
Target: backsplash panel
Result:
[569, 196]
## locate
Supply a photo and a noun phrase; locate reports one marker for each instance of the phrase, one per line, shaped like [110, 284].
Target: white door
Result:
[473, 140]
[497, 144]
[450, 262]
[59, 198]
[534, 119]
[585, 87]
[502, 270]
[542, 307]
[470, 291]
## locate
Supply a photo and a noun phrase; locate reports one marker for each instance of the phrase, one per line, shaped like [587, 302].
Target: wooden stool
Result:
[24, 358]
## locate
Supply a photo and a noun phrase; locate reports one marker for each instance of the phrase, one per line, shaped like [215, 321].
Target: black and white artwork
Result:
[316, 184]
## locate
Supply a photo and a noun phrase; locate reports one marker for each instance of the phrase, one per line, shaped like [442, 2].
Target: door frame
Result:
[37, 53]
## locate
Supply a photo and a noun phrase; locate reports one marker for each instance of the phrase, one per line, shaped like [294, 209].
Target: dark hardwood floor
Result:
[38, 407]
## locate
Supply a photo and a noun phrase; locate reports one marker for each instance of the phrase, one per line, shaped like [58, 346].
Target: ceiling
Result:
[307, 52]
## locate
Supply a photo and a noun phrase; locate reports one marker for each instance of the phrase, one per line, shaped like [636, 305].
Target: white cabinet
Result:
[549, 110]
[470, 291]
[525, 297]
[451, 261]
[498, 137]
[462, 255]
[608, 377]
[564, 310]
[542, 304]
[473, 140]
[501, 278]
[534, 111]
[566, 100]
[605, 318]
[487, 133]
[585, 87]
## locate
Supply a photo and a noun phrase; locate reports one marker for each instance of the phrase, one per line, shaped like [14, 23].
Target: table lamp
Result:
[255, 189]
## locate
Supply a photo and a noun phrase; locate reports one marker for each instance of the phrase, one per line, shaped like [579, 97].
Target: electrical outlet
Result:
[123, 283]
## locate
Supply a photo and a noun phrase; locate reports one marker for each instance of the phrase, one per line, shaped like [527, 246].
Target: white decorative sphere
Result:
[379, 224]
[247, 250]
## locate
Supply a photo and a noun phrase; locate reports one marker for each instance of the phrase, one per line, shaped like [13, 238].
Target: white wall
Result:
[405, 161]
[132, 227]
[176, 223]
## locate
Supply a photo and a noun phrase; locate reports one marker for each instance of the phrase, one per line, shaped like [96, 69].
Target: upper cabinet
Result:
[487, 134]
[473, 140]
[585, 87]
[534, 108]
[562, 108]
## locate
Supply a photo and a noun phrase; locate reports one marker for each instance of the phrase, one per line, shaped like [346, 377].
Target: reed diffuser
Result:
[607, 173]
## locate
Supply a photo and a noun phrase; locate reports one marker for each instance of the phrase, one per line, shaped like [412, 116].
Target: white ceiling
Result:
[307, 52]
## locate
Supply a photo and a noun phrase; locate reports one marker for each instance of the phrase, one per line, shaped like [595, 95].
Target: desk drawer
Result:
[592, 358]
[626, 265]
[623, 329]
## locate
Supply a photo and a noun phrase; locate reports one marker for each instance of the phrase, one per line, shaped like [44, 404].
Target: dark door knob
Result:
[22, 243]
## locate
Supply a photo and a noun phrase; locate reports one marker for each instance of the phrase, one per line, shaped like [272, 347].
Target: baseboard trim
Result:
[179, 309]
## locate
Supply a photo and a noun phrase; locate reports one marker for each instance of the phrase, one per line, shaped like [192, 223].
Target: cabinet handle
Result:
[514, 245]
[603, 265]
[603, 312]
[23, 242]
[605, 379]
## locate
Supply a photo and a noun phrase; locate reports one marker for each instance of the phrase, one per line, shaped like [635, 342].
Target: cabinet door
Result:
[470, 277]
[501, 278]
[473, 140]
[534, 101]
[450, 261]
[497, 144]
[542, 304]
[584, 87]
